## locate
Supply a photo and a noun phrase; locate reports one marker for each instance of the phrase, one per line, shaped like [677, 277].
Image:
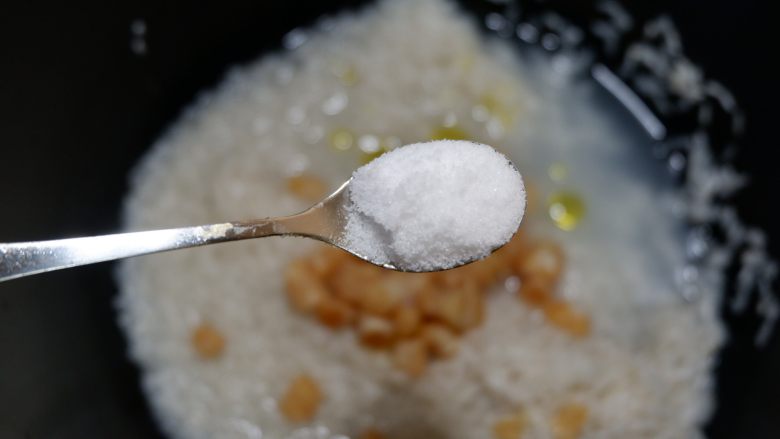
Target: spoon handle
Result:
[27, 258]
[323, 221]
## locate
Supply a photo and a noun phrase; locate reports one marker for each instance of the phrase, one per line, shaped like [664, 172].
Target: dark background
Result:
[77, 108]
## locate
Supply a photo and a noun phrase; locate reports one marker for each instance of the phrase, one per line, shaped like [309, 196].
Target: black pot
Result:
[79, 105]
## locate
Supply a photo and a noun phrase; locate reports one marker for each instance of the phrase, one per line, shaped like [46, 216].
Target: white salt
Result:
[434, 205]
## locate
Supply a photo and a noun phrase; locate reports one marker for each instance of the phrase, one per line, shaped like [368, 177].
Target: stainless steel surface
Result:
[323, 221]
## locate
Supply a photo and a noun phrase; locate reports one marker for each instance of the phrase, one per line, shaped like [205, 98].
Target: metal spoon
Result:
[325, 221]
